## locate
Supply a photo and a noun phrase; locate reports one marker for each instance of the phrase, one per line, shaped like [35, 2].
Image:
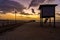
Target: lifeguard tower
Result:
[47, 11]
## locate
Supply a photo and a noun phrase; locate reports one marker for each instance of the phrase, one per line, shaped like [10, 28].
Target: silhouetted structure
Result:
[33, 11]
[47, 11]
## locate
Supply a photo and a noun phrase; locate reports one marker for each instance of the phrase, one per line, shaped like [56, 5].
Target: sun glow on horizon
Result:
[11, 16]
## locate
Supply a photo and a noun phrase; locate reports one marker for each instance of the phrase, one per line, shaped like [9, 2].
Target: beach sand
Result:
[33, 31]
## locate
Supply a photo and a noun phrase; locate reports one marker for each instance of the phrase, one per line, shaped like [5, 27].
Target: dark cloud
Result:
[37, 2]
[7, 5]
[25, 13]
[50, 0]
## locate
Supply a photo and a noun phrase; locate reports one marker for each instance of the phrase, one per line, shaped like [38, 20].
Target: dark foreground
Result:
[32, 31]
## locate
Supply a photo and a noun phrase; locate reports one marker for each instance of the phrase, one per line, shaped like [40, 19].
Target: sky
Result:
[32, 4]
[8, 6]
[26, 3]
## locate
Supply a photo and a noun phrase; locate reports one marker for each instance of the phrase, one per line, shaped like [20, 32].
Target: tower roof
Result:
[47, 5]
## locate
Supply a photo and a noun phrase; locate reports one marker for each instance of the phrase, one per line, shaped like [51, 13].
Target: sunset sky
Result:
[26, 4]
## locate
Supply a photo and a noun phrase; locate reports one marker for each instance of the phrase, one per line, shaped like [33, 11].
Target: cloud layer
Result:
[7, 5]
[37, 2]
